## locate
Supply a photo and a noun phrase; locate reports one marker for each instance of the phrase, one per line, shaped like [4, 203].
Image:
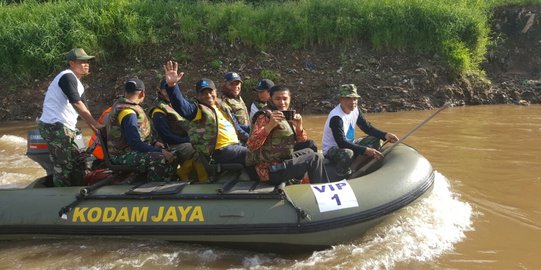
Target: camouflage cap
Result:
[78, 54]
[348, 90]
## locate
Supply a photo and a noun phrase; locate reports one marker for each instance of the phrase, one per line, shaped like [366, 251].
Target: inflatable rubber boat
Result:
[231, 211]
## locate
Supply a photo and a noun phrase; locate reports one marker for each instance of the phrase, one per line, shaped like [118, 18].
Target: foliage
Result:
[34, 35]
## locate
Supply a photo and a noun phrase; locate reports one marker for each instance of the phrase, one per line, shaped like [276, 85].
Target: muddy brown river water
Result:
[484, 212]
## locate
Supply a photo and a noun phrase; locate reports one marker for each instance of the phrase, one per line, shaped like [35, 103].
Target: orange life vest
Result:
[98, 150]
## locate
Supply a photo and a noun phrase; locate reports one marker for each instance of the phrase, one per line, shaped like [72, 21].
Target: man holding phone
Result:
[272, 141]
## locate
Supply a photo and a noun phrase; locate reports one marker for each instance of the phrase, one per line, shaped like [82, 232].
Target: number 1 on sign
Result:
[334, 196]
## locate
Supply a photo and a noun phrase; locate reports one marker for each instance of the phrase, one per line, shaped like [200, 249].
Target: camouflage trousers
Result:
[343, 157]
[154, 164]
[69, 164]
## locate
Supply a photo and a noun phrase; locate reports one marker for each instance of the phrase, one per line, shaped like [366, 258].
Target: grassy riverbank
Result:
[34, 35]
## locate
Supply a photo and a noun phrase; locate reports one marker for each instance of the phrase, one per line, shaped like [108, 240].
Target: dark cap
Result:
[264, 84]
[205, 84]
[78, 54]
[232, 76]
[133, 85]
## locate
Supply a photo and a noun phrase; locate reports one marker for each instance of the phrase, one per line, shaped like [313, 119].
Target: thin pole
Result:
[364, 168]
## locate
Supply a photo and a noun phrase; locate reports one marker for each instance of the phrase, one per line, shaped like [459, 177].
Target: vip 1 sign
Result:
[334, 196]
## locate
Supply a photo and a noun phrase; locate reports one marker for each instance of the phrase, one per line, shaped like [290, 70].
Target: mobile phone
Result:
[289, 114]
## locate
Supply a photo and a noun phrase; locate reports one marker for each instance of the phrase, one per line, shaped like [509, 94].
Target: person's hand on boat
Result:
[172, 76]
[169, 156]
[159, 145]
[373, 153]
[390, 137]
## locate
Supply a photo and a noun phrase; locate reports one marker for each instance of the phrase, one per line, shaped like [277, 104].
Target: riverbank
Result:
[388, 80]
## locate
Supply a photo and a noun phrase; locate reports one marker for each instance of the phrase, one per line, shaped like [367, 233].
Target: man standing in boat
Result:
[63, 104]
[275, 131]
[232, 99]
[129, 137]
[339, 143]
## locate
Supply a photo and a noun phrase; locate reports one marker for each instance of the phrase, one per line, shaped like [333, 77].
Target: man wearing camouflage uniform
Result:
[339, 143]
[62, 106]
[129, 137]
[232, 99]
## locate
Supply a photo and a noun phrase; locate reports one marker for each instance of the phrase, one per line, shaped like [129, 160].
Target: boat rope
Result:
[301, 214]
[83, 194]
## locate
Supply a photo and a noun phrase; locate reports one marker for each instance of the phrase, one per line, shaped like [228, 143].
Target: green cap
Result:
[348, 90]
[78, 54]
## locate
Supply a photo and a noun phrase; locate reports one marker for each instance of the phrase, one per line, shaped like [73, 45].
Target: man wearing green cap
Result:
[62, 106]
[339, 143]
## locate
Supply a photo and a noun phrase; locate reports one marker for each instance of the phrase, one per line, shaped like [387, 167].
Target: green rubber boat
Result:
[231, 211]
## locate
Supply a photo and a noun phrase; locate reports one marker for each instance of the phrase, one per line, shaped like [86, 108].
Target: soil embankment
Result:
[387, 80]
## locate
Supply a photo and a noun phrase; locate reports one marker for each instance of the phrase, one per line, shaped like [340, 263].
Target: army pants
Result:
[69, 164]
[343, 157]
[154, 164]
[303, 161]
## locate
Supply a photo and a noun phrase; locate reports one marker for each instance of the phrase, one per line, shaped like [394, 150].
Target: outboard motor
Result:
[38, 150]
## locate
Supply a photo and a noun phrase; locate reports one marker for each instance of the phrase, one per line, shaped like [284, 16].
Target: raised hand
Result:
[171, 73]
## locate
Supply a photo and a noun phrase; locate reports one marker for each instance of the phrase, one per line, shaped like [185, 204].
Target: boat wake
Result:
[417, 233]
[16, 170]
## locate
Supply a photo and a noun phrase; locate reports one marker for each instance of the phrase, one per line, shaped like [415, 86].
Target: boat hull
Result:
[256, 217]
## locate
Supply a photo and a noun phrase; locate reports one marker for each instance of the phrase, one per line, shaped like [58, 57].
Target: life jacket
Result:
[115, 141]
[93, 142]
[279, 144]
[237, 108]
[178, 124]
[203, 132]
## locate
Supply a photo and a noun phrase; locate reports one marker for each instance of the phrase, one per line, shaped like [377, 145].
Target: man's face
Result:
[232, 88]
[348, 104]
[281, 100]
[207, 96]
[263, 95]
[80, 67]
[163, 94]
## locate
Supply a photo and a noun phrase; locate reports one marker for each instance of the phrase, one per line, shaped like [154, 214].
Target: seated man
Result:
[172, 129]
[339, 144]
[272, 141]
[232, 99]
[214, 132]
[263, 96]
[129, 135]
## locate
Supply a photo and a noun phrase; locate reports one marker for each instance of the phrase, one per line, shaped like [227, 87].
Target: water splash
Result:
[418, 233]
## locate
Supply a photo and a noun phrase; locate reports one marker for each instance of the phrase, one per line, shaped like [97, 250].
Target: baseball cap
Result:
[264, 84]
[78, 54]
[348, 90]
[133, 85]
[232, 76]
[204, 84]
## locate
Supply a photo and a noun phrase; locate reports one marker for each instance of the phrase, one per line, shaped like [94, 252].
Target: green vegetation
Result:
[35, 34]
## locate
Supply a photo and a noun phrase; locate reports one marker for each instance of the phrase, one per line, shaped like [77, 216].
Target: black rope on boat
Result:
[83, 194]
[301, 214]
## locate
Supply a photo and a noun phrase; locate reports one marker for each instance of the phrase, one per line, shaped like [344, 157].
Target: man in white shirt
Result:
[62, 106]
[339, 143]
